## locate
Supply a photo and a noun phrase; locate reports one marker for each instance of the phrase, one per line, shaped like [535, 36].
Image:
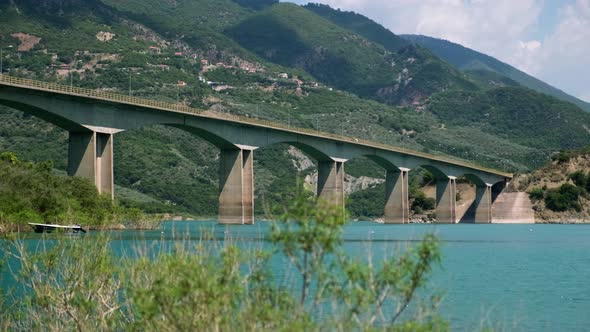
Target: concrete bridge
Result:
[93, 117]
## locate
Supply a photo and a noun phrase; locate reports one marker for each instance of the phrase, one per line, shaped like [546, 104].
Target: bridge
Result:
[93, 117]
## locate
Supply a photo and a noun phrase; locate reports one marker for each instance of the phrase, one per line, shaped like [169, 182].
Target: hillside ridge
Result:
[468, 59]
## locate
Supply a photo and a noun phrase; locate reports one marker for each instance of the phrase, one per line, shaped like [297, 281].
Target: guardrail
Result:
[170, 107]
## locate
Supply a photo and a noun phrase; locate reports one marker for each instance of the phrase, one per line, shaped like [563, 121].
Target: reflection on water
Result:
[510, 277]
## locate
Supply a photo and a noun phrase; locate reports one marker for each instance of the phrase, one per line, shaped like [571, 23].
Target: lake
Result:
[508, 277]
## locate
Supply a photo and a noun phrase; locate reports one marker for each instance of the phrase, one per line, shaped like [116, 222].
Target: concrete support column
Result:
[446, 195]
[331, 182]
[104, 164]
[90, 155]
[483, 204]
[397, 203]
[236, 187]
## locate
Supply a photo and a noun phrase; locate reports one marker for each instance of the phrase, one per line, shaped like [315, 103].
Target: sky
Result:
[549, 39]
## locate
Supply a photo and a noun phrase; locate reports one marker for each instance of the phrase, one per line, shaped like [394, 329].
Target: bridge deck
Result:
[178, 108]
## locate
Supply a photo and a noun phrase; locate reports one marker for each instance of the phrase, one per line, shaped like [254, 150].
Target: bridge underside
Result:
[90, 155]
[92, 123]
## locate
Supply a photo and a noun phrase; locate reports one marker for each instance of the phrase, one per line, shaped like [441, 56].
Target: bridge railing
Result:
[99, 94]
[150, 103]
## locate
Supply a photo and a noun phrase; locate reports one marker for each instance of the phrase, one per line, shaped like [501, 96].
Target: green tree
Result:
[579, 179]
[309, 231]
[536, 193]
[563, 199]
[9, 157]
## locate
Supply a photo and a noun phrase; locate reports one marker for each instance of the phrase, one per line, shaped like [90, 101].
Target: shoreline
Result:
[15, 228]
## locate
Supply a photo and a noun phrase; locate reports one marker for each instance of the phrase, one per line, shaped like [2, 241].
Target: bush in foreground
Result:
[210, 285]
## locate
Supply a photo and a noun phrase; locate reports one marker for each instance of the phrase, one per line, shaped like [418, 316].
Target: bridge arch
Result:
[309, 149]
[476, 180]
[436, 172]
[394, 205]
[45, 115]
[386, 164]
[207, 135]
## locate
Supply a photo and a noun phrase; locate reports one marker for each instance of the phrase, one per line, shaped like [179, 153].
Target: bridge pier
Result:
[397, 204]
[483, 204]
[90, 155]
[331, 182]
[480, 211]
[236, 186]
[446, 200]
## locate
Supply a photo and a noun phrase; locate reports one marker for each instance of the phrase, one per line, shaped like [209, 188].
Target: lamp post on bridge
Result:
[130, 72]
[2, 59]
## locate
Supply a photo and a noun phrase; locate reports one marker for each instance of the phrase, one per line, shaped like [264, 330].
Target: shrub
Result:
[579, 179]
[422, 203]
[536, 194]
[562, 157]
[563, 199]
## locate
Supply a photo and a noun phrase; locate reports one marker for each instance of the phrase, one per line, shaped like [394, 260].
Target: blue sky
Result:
[549, 39]
[550, 16]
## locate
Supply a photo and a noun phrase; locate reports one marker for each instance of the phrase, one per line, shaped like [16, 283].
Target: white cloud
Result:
[565, 58]
[532, 45]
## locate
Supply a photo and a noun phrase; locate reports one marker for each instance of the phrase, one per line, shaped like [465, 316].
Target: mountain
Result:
[296, 37]
[323, 69]
[256, 4]
[527, 115]
[361, 25]
[470, 60]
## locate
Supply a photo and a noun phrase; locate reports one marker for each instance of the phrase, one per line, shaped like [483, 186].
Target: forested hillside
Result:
[470, 61]
[303, 66]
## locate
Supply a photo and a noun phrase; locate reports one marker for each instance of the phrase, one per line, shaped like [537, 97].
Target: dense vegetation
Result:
[527, 115]
[566, 197]
[424, 73]
[213, 285]
[31, 192]
[361, 25]
[347, 56]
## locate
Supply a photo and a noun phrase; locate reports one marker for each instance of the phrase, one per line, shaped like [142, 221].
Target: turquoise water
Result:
[508, 277]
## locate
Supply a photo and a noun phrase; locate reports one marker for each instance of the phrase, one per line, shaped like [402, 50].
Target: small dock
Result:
[49, 228]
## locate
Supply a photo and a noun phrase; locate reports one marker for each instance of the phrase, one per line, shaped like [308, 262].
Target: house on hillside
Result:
[219, 88]
[284, 75]
[181, 83]
[154, 49]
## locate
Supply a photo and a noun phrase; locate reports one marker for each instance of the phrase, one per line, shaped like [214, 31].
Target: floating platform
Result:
[49, 228]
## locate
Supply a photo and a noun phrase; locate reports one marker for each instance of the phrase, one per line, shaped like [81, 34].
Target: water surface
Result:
[509, 277]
